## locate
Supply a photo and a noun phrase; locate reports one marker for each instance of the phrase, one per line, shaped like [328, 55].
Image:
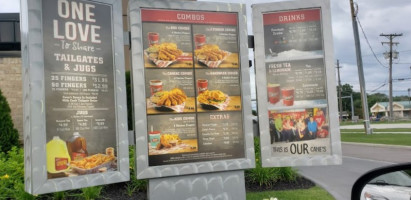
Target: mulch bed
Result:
[118, 191]
[299, 183]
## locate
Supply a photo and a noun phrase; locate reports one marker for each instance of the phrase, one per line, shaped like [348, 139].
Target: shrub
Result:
[9, 136]
[134, 185]
[12, 175]
[90, 193]
[267, 176]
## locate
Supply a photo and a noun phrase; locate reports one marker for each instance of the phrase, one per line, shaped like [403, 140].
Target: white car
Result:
[391, 186]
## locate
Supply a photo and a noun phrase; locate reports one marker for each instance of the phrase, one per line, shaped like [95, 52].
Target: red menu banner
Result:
[292, 17]
[188, 17]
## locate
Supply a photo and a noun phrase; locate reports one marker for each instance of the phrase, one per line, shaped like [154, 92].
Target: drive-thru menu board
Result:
[193, 89]
[82, 123]
[188, 71]
[79, 86]
[294, 93]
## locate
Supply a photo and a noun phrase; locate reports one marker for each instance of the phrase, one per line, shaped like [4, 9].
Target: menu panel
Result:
[292, 30]
[192, 84]
[79, 83]
[296, 83]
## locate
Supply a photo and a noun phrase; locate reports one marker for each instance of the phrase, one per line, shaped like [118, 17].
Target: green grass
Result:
[392, 130]
[390, 139]
[314, 193]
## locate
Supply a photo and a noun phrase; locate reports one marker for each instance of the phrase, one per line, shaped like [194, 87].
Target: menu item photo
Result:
[163, 55]
[167, 45]
[173, 100]
[172, 134]
[211, 55]
[213, 100]
[94, 164]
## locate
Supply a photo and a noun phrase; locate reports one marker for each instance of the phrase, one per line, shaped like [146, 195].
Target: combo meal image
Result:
[71, 158]
[213, 100]
[210, 55]
[173, 100]
[169, 143]
[163, 55]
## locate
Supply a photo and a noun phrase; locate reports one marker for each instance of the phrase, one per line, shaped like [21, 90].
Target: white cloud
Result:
[9, 6]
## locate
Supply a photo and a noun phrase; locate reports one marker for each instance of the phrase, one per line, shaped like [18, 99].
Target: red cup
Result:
[199, 40]
[202, 85]
[273, 91]
[288, 96]
[153, 38]
[156, 86]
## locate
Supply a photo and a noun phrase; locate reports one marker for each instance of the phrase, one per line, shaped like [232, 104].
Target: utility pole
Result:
[339, 89]
[360, 70]
[391, 43]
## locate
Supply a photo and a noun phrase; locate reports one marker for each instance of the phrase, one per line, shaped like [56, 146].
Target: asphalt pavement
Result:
[339, 179]
[358, 158]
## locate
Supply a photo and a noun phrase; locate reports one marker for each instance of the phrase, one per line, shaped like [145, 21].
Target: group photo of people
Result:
[306, 124]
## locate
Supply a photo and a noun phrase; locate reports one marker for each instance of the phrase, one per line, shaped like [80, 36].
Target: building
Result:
[10, 66]
[401, 109]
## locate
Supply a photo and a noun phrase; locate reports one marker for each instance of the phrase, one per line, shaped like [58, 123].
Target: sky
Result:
[376, 17]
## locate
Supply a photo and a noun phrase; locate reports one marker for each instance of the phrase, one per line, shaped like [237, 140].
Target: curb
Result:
[378, 145]
[375, 132]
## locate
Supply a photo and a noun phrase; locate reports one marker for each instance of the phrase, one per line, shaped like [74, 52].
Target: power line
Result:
[383, 53]
[384, 84]
[369, 45]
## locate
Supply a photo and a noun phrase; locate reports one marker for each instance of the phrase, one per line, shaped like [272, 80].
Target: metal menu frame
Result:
[140, 121]
[35, 171]
[268, 160]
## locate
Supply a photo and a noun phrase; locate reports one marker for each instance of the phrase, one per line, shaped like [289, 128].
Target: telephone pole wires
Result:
[339, 90]
[360, 70]
[390, 55]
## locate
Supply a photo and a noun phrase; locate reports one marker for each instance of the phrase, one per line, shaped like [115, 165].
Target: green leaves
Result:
[268, 176]
[9, 136]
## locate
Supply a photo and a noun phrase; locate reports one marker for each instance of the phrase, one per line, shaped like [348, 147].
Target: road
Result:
[357, 159]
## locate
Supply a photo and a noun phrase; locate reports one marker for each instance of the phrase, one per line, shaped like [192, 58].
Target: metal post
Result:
[352, 108]
[360, 71]
[339, 90]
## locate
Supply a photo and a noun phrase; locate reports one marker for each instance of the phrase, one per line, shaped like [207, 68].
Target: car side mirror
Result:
[385, 183]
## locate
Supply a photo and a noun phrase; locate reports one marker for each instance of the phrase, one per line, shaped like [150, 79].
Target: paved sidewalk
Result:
[378, 126]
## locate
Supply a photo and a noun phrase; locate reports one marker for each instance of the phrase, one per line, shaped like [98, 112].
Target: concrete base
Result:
[212, 186]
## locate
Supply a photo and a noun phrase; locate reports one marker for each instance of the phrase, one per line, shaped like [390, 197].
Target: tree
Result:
[9, 136]
[346, 90]
[377, 97]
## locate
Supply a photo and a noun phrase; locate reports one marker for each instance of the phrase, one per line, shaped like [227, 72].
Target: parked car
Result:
[387, 183]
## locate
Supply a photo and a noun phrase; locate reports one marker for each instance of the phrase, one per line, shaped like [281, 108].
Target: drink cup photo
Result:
[156, 86]
[288, 96]
[199, 40]
[202, 85]
[154, 137]
[153, 38]
[273, 91]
